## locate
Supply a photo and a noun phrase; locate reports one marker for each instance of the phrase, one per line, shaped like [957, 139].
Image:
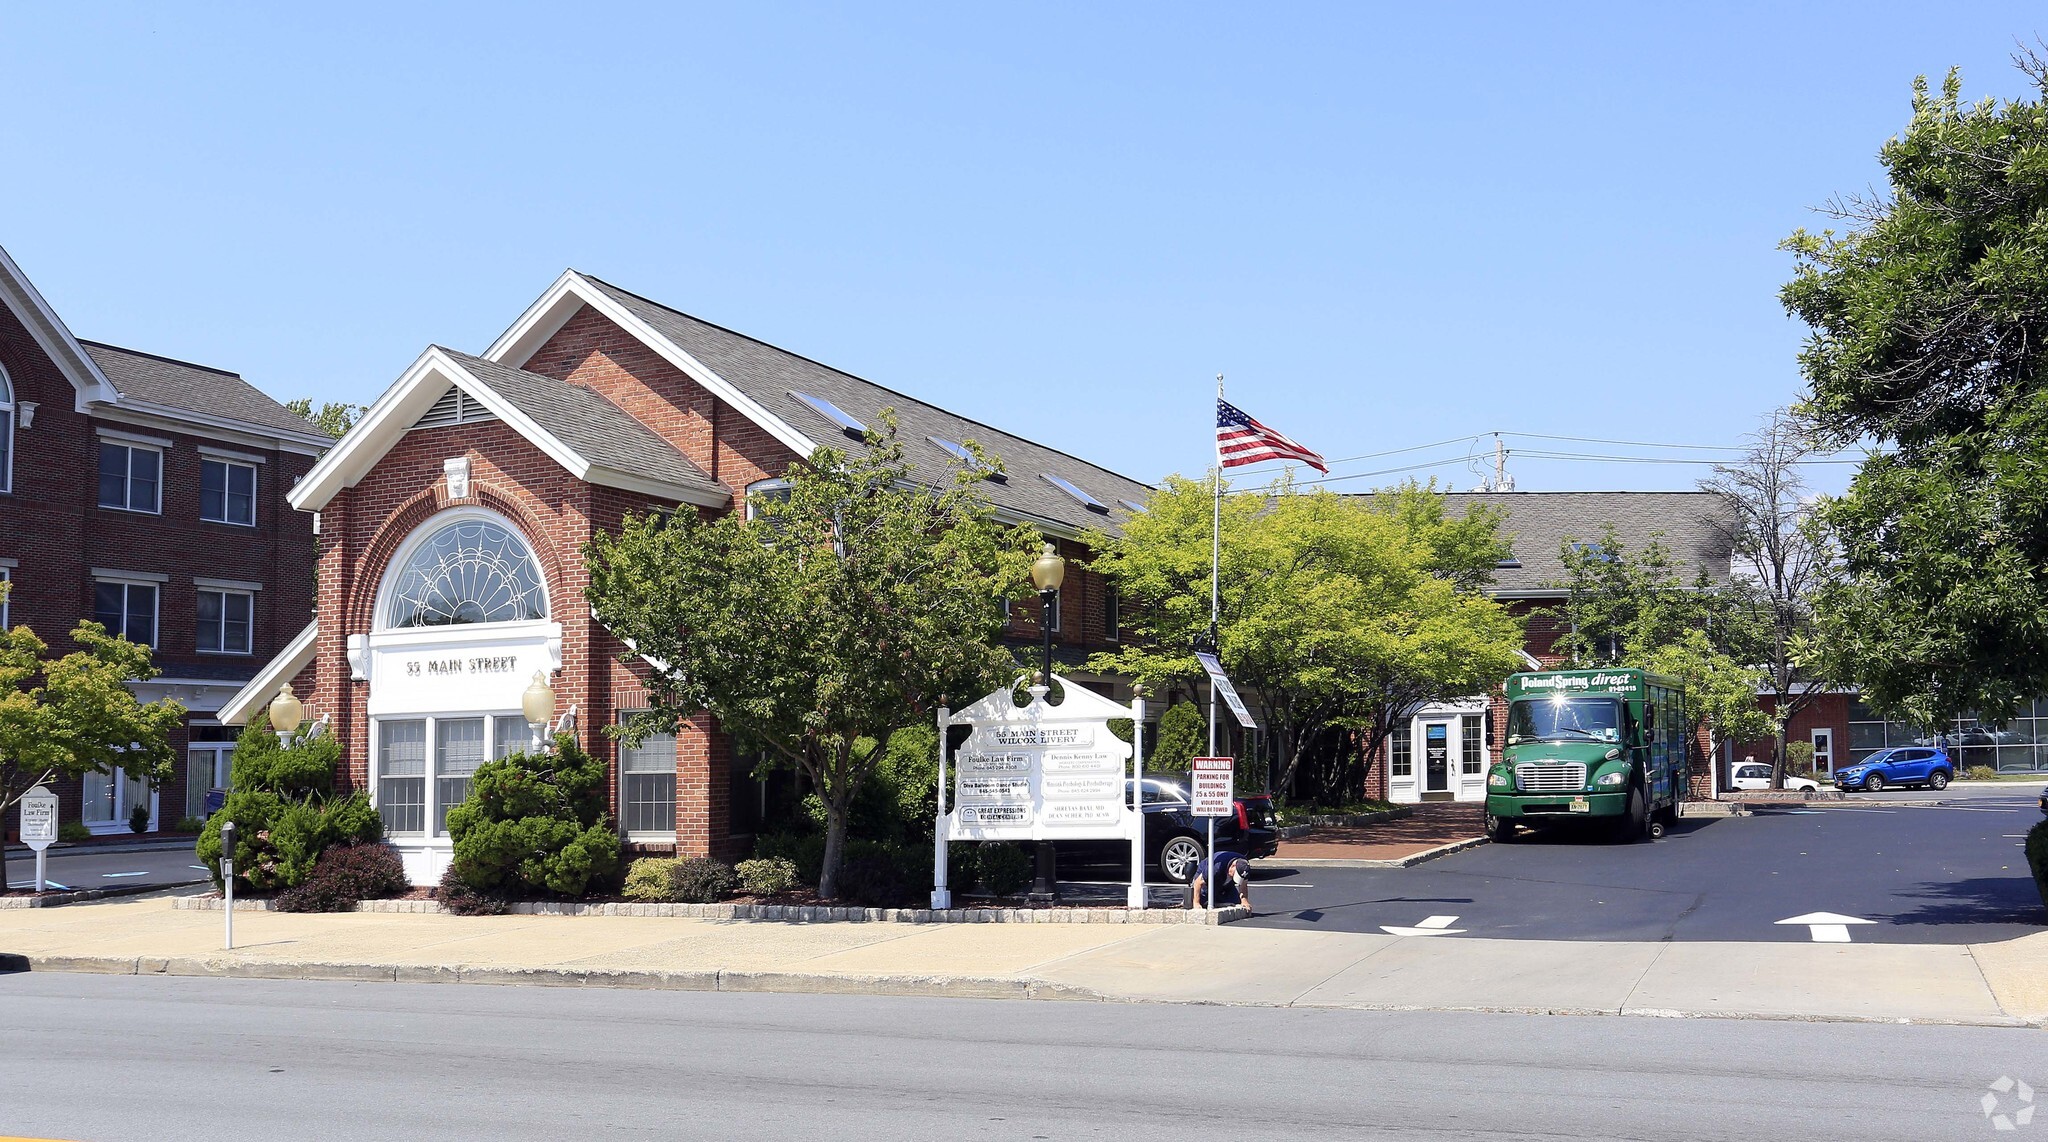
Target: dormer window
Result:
[1080, 497]
[835, 414]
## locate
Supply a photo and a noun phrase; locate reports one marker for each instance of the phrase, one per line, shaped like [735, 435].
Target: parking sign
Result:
[1213, 786]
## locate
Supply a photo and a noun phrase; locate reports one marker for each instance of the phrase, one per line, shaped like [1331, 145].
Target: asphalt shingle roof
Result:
[1691, 525]
[768, 376]
[595, 428]
[191, 388]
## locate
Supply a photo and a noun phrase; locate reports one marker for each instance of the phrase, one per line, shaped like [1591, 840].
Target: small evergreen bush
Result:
[1980, 773]
[765, 876]
[345, 874]
[2037, 857]
[73, 832]
[138, 821]
[1182, 734]
[536, 822]
[804, 850]
[703, 880]
[651, 880]
[458, 897]
[1005, 868]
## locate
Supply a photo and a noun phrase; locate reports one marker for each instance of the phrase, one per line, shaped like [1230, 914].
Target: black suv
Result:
[1174, 837]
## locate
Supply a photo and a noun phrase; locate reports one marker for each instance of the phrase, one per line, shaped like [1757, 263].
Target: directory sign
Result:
[38, 818]
[1020, 781]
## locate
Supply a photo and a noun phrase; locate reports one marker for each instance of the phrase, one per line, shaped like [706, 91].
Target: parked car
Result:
[1898, 766]
[1175, 838]
[1756, 775]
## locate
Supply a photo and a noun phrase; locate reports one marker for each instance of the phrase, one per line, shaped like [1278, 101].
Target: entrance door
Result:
[1823, 753]
[1436, 757]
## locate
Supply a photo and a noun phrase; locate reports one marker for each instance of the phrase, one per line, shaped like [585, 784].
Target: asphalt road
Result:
[104, 1058]
[86, 867]
[1953, 874]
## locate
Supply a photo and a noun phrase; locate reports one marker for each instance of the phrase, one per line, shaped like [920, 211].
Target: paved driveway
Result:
[1954, 874]
[86, 867]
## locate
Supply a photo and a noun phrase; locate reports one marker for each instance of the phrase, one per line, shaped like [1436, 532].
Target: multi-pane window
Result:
[509, 735]
[458, 750]
[7, 598]
[1401, 752]
[131, 477]
[1112, 611]
[227, 492]
[402, 776]
[226, 619]
[647, 786]
[1472, 754]
[126, 609]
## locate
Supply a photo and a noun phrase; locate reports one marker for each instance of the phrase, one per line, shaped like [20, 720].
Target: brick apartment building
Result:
[452, 515]
[150, 494]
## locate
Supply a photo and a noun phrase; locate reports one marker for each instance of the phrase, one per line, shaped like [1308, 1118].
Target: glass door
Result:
[1436, 757]
[1823, 754]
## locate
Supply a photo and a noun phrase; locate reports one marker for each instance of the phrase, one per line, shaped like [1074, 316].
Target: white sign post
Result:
[1213, 780]
[39, 826]
[1040, 772]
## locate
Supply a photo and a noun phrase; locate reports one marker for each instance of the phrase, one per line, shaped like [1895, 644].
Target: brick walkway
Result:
[1433, 823]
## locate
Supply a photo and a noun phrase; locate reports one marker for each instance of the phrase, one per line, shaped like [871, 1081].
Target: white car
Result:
[1756, 775]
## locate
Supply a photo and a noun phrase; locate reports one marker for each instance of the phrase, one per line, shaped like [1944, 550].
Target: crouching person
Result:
[1230, 871]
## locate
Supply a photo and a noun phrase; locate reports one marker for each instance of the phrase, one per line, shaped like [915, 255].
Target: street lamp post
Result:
[537, 705]
[286, 714]
[1048, 571]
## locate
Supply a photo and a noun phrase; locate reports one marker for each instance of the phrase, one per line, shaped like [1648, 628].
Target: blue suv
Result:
[1900, 765]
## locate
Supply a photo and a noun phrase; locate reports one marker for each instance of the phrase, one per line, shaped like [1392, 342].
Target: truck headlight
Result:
[1499, 780]
[1619, 777]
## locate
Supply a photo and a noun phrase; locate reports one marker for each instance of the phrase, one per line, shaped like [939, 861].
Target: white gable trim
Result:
[278, 671]
[52, 336]
[571, 292]
[413, 394]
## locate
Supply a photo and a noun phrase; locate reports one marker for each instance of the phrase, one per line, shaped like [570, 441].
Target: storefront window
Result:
[470, 571]
[1472, 756]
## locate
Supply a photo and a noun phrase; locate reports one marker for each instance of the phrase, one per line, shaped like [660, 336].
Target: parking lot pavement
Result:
[85, 867]
[1953, 874]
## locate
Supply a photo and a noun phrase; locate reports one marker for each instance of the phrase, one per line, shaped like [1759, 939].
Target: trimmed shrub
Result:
[703, 880]
[278, 841]
[1980, 773]
[1182, 734]
[189, 825]
[263, 764]
[765, 876]
[458, 897]
[804, 850]
[1005, 868]
[536, 823]
[73, 832]
[2037, 857]
[651, 879]
[138, 821]
[344, 875]
[873, 879]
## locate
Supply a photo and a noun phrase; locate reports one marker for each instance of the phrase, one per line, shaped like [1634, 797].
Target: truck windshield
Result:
[1570, 719]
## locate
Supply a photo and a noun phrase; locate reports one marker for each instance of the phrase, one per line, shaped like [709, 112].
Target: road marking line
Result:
[117, 875]
[1433, 926]
[47, 883]
[1827, 927]
[1438, 922]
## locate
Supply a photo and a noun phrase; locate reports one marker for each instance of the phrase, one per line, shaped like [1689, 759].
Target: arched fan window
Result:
[473, 570]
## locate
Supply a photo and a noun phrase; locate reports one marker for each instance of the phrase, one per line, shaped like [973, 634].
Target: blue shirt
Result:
[1218, 868]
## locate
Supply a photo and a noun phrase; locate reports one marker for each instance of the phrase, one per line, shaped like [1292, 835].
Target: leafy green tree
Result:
[334, 418]
[1720, 692]
[1929, 338]
[855, 604]
[1183, 734]
[1340, 614]
[68, 716]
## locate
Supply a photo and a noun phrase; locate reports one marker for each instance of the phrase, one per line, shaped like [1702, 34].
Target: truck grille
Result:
[1551, 777]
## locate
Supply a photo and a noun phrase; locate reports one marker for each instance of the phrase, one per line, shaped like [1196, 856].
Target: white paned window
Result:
[469, 571]
[227, 492]
[509, 736]
[126, 609]
[1050, 615]
[1472, 751]
[131, 477]
[402, 776]
[7, 599]
[6, 433]
[647, 788]
[1401, 753]
[226, 620]
[764, 490]
[458, 750]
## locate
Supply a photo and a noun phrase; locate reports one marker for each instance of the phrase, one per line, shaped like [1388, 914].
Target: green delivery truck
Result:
[1604, 746]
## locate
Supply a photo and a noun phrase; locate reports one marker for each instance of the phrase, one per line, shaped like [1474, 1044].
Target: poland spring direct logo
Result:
[2022, 1098]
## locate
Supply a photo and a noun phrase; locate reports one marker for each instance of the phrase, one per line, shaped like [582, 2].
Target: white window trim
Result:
[255, 486]
[432, 526]
[10, 406]
[243, 585]
[112, 574]
[127, 579]
[133, 444]
[642, 836]
[7, 567]
[213, 453]
[760, 486]
[427, 839]
[1054, 625]
[161, 444]
[223, 592]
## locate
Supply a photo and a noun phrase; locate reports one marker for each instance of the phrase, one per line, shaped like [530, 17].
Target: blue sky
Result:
[1388, 226]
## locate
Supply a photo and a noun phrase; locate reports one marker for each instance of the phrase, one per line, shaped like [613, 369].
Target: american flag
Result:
[1242, 440]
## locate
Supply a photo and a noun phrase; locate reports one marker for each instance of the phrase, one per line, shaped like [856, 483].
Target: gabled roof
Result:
[1691, 525]
[589, 436]
[296, 656]
[759, 380]
[27, 304]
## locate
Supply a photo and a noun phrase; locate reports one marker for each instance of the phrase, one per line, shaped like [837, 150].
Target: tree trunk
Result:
[835, 848]
[1778, 758]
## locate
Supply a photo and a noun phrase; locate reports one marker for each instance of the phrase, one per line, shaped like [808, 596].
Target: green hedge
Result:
[2037, 858]
[536, 823]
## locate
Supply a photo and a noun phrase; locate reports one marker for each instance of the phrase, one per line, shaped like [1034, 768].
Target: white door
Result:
[1823, 753]
[1436, 757]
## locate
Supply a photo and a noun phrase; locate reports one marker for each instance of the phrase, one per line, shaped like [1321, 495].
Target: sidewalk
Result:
[1995, 984]
[1435, 828]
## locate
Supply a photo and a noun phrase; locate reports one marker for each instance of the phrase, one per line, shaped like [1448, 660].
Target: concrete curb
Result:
[1408, 861]
[86, 895]
[785, 913]
[827, 983]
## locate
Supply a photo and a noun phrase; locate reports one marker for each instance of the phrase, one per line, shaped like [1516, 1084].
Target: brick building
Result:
[150, 494]
[451, 518]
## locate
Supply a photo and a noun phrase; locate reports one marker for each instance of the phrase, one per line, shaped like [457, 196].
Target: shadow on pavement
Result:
[1977, 900]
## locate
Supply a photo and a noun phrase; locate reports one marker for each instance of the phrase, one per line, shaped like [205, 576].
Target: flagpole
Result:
[1216, 566]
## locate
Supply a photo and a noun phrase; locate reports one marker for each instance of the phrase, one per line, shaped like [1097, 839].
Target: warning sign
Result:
[1212, 784]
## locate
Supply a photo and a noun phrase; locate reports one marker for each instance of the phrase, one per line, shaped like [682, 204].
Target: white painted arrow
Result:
[1434, 926]
[1828, 927]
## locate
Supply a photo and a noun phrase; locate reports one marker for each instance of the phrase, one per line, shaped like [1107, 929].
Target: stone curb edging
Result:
[1408, 861]
[1348, 820]
[787, 913]
[822, 983]
[85, 895]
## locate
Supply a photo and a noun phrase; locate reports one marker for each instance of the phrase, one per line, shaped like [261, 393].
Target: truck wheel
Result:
[1632, 825]
[1656, 826]
[1500, 830]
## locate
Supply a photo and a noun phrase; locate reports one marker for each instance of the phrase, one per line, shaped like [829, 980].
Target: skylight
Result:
[959, 452]
[1134, 506]
[1067, 486]
[834, 413]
